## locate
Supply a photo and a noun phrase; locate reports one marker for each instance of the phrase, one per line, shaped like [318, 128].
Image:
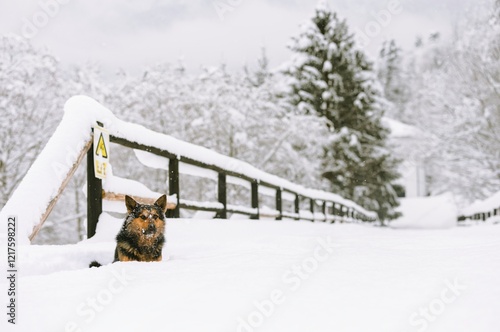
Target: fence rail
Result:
[482, 210]
[480, 216]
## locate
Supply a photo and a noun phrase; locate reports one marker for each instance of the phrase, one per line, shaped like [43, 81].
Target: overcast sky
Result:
[134, 34]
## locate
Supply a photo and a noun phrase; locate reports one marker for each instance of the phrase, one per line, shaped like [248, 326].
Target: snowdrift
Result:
[427, 212]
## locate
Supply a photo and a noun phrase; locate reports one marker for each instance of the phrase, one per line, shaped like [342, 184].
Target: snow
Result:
[118, 185]
[327, 67]
[216, 274]
[484, 206]
[203, 205]
[401, 130]
[427, 212]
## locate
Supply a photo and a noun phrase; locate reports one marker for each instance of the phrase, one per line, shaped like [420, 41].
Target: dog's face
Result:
[146, 221]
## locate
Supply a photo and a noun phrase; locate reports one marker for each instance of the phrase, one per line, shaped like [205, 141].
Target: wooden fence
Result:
[480, 216]
[320, 209]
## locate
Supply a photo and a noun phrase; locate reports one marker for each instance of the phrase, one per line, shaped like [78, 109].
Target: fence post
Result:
[174, 186]
[297, 206]
[324, 210]
[222, 196]
[94, 195]
[255, 199]
[279, 204]
[311, 208]
[334, 213]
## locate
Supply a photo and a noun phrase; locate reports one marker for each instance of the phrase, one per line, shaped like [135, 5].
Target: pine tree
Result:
[331, 78]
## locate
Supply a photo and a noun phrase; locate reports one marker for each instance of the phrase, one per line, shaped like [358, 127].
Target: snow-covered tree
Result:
[394, 80]
[456, 98]
[30, 105]
[330, 77]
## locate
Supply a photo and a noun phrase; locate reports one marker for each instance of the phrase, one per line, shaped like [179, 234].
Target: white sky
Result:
[134, 34]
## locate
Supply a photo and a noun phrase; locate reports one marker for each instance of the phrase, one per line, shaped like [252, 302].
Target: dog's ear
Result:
[130, 203]
[162, 203]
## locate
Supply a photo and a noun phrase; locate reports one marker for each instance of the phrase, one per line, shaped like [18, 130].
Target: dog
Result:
[141, 237]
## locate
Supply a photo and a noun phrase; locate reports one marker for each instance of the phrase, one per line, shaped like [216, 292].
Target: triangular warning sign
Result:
[101, 148]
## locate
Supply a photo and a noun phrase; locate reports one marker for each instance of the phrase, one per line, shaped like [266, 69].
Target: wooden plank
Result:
[197, 207]
[174, 186]
[111, 196]
[279, 204]
[255, 198]
[94, 195]
[222, 196]
[311, 207]
[63, 185]
[297, 206]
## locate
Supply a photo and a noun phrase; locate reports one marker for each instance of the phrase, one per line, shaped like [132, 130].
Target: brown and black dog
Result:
[141, 237]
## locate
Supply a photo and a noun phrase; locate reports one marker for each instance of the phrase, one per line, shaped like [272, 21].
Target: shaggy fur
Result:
[141, 237]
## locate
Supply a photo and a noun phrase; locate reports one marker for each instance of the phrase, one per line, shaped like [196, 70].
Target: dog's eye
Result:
[143, 217]
[154, 217]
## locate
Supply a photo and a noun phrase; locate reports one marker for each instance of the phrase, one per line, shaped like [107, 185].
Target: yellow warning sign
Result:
[101, 152]
[101, 148]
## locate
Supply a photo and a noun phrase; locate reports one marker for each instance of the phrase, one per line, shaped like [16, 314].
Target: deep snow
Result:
[219, 271]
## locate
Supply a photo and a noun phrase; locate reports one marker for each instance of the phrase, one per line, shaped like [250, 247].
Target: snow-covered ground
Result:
[247, 275]
[427, 212]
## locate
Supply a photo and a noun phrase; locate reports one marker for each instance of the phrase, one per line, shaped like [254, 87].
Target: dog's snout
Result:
[151, 227]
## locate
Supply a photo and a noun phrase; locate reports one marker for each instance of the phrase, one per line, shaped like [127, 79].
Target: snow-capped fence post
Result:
[311, 208]
[174, 186]
[94, 194]
[324, 210]
[279, 204]
[222, 196]
[334, 213]
[297, 207]
[341, 213]
[255, 199]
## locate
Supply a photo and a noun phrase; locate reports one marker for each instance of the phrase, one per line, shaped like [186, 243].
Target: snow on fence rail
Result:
[482, 210]
[40, 189]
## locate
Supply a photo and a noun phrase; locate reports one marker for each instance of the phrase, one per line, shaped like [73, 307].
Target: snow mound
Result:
[427, 212]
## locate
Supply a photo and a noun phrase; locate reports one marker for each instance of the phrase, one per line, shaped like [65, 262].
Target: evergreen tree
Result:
[331, 78]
